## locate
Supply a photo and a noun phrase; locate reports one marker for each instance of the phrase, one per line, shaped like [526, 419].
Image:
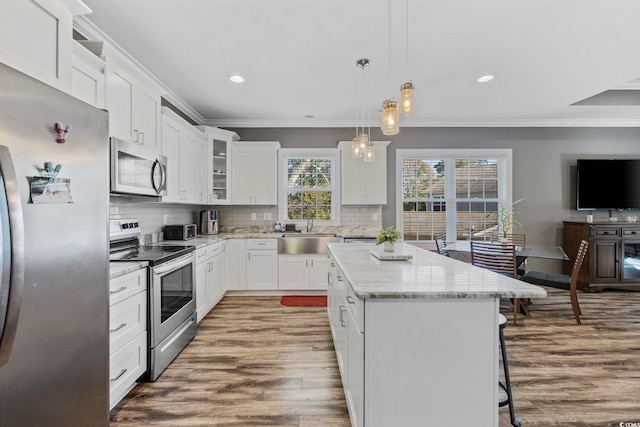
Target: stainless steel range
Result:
[171, 278]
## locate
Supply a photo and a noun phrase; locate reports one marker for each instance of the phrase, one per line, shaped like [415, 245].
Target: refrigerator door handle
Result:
[12, 241]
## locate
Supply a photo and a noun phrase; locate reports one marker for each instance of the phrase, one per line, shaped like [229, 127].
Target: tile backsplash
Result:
[153, 216]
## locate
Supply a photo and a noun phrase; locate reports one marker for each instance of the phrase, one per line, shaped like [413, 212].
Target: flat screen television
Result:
[608, 184]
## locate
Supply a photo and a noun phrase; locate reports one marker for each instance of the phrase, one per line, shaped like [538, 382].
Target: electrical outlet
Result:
[269, 216]
[253, 216]
[165, 219]
[375, 216]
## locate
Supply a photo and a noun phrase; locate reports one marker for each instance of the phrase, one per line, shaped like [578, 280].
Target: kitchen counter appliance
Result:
[209, 221]
[172, 304]
[54, 292]
[180, 232]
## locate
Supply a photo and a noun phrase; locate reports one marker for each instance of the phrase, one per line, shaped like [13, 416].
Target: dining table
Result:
[522, 252]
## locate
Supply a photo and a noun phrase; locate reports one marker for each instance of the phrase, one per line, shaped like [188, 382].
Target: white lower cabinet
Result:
[345, 315]
[127, 333]
[209, 278]
[302, 272]
[236, 265]
[262, 264]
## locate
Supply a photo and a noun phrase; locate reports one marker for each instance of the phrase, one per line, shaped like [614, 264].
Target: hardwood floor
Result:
[254, 362]
[257, 363]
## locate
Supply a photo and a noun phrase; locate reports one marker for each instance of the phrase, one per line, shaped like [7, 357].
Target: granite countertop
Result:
[117, 269]
[427, 275]
[258, 233]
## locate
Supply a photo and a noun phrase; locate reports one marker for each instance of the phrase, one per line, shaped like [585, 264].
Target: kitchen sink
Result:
[296, 244]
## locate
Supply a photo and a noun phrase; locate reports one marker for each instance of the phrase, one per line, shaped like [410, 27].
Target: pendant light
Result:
[407, 89]
[390, 116]
[361, 145]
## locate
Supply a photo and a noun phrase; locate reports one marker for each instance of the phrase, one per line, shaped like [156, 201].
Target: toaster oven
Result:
[179, 232]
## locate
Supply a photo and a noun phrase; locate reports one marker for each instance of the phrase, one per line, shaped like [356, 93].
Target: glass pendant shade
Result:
[363, 138]
[406, 98]
[390, 117]
[356, 150]
[369, 153]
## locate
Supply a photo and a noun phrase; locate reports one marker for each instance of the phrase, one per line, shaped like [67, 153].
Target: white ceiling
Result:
[298, 58]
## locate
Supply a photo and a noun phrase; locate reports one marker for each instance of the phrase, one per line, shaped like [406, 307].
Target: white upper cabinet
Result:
[184, 146]
[35, 38]
[364, 183]
[254, 167]
[133, 103]
[218, 162]
[87, 76]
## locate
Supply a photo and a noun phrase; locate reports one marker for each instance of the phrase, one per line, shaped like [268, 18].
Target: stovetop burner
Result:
[154, 255]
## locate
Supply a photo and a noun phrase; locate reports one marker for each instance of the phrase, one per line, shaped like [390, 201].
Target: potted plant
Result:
[389, 236]
[506, 219]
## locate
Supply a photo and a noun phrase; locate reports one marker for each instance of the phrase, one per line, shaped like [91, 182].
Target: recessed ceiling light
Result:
[309, 116]
[236, 78]
[485, 79]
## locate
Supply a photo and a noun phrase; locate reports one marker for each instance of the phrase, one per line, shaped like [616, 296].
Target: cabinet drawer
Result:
[126, 320]
[356, 308]
[123, 287]
[125, 367]
[262, 243]
[606, 232]
[201, 254]
[631, 231]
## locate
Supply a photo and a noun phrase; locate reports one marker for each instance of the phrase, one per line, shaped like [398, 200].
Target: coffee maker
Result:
[209, 221]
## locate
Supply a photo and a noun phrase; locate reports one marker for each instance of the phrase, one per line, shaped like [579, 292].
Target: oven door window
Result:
[176, 291]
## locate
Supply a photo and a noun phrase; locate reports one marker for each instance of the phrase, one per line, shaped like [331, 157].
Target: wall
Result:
[543, 162]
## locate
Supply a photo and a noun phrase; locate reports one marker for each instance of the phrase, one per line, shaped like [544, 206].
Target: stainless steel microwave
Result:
[137, 170]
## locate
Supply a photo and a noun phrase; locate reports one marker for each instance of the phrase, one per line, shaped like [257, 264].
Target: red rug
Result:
[304, 300]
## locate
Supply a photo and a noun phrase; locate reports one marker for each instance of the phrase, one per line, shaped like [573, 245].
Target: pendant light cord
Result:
[389, 42]
[407, 34]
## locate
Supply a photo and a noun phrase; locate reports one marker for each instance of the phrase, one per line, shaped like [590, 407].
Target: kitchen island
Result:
[417, 340]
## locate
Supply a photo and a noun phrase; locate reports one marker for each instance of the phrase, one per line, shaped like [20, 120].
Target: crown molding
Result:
[479, 123]
[89, 30]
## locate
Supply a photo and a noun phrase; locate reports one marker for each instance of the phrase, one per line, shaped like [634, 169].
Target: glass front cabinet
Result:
[218, 162]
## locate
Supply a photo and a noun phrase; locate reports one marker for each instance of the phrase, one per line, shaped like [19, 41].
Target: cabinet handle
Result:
[343, 309]
[350, 299]
[122, 325]
[119, 375]
[311, 262]
[340, 278]
[124, 288]
[249, 256]
[142, 138]
[306, 263]
[135, 136]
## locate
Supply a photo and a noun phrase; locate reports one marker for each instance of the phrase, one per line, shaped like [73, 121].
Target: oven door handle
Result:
[173, 265]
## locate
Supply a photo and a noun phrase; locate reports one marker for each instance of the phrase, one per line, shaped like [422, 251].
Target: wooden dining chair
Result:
[441, 244]
[499, 258]
[562, 281]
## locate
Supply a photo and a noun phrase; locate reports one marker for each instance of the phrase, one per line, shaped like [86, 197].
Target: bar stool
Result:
[504, 382]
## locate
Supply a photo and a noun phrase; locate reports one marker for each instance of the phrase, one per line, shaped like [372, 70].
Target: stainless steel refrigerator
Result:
[54, 349]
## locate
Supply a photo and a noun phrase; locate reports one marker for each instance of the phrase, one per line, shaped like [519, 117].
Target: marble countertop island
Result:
[417, 340]
[426, 275]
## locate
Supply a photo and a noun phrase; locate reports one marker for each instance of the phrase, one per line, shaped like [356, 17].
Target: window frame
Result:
[332, 154]
[505, 179]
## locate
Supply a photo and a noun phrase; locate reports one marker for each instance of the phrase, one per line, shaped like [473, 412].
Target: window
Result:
[309, 183]
[457, 192]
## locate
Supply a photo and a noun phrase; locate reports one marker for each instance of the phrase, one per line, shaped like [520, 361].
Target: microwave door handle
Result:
[12, 229]
[163, 174]
[157, 188]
